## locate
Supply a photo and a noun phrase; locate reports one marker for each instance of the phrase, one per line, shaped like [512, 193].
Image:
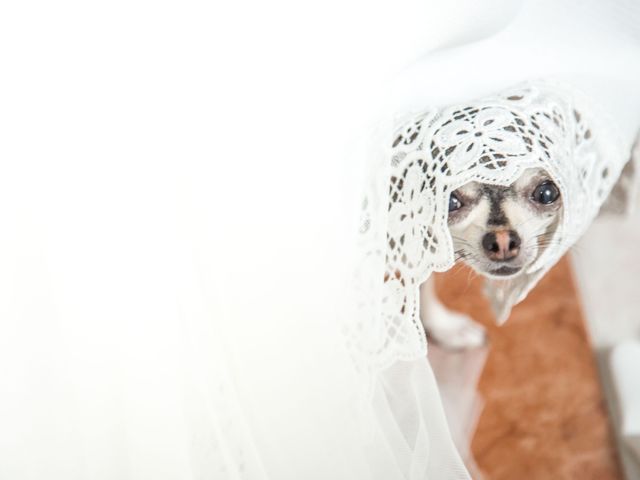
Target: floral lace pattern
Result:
[492, 140]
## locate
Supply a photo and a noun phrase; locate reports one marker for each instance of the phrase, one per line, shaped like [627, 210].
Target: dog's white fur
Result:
[451, 329]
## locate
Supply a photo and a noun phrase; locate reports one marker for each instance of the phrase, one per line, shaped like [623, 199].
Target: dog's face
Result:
[500, 231]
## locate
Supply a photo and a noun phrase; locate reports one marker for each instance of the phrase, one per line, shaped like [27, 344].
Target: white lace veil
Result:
[486, 112]
[179, 199]
[493, 140]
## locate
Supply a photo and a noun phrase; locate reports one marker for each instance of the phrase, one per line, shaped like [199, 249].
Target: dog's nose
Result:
[501, 245]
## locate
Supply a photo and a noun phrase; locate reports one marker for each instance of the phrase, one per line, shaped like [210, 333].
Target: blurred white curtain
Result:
[178, 207]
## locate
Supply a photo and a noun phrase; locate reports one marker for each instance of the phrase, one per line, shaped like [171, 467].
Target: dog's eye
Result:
[454, 202]
[546, 193]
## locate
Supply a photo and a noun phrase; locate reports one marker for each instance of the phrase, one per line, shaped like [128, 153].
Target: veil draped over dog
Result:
[177, 288]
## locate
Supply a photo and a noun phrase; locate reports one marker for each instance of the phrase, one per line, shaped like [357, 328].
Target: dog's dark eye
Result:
[454, 202]
[546, 193]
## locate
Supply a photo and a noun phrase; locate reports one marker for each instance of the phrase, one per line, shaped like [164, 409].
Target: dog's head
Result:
[500, 231]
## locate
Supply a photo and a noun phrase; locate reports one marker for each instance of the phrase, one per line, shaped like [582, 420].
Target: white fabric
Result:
[178, 235]
[623, 362]
[178, 205]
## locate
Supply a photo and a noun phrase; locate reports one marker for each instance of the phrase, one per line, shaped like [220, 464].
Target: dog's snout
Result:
[501, 245]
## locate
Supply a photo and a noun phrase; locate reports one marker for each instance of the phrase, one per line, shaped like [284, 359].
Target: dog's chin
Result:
[503, 272]
[499, 271]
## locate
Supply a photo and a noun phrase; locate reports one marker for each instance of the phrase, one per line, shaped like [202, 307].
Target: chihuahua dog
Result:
[499, 232]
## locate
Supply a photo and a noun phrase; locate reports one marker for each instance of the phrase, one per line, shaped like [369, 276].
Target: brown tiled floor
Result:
[544, 416]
